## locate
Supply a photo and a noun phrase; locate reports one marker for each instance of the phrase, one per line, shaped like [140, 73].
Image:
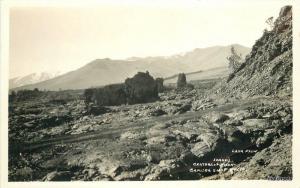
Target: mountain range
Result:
[31, 79]
[101, 72]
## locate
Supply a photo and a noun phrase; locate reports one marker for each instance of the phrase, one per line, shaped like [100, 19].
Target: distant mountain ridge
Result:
[199, 58]
[31, 79]
[101, 72]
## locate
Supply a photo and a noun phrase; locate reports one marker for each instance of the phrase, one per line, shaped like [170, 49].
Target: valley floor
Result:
[187, 135]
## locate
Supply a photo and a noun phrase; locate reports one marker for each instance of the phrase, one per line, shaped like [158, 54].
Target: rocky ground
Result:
[177, 137]
[236, 128]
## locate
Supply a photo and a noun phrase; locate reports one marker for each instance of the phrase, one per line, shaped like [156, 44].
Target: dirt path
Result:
[121, 127]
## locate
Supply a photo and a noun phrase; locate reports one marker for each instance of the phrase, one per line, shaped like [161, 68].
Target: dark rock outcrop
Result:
[110, 95]
[160, 84]
[267, 70]
[181, 81]
[141, 88]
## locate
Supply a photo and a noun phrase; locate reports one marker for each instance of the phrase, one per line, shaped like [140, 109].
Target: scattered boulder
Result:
[29, 124]
[182, 109]
[243, 114]
[266, 139]
[160, 139]
[233, 122]
[154, 157]
[24, 174]
[166, 170]
[202, 105]
[97, 110]
[160, 126]
[159, 134]
[181, 81]
[90, 173]
[157, 112]
[188, 157]
[188, 136]
[250, 125]
[131, 166]
[58, 176]
[132, 136]
[200, 149]
[160, 84]
[238, 138]
[217, 117]
[210, 139]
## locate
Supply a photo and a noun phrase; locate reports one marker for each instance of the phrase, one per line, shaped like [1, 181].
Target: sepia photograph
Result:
[116, 91]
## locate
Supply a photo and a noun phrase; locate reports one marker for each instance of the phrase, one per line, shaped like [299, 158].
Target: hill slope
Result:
[215, 73]
[267, 70]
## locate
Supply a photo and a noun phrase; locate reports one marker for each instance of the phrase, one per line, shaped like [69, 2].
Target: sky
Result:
[66, 37]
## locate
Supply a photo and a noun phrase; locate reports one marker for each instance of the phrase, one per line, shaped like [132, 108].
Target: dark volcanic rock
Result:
[181, 81]
[157, 112]
[270, 163]
[141, 88]
[58, 176]
[217, 117]
[160, 84]
[267, 70]
[182, 109]
[107, 96]
[200, 149]
[58, 141]
[24, 174]
[97, 110]
[166, 170]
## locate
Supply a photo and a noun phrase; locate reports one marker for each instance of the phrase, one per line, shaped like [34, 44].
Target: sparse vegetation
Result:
[234, 60]
[55, 136]
[270, 23]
